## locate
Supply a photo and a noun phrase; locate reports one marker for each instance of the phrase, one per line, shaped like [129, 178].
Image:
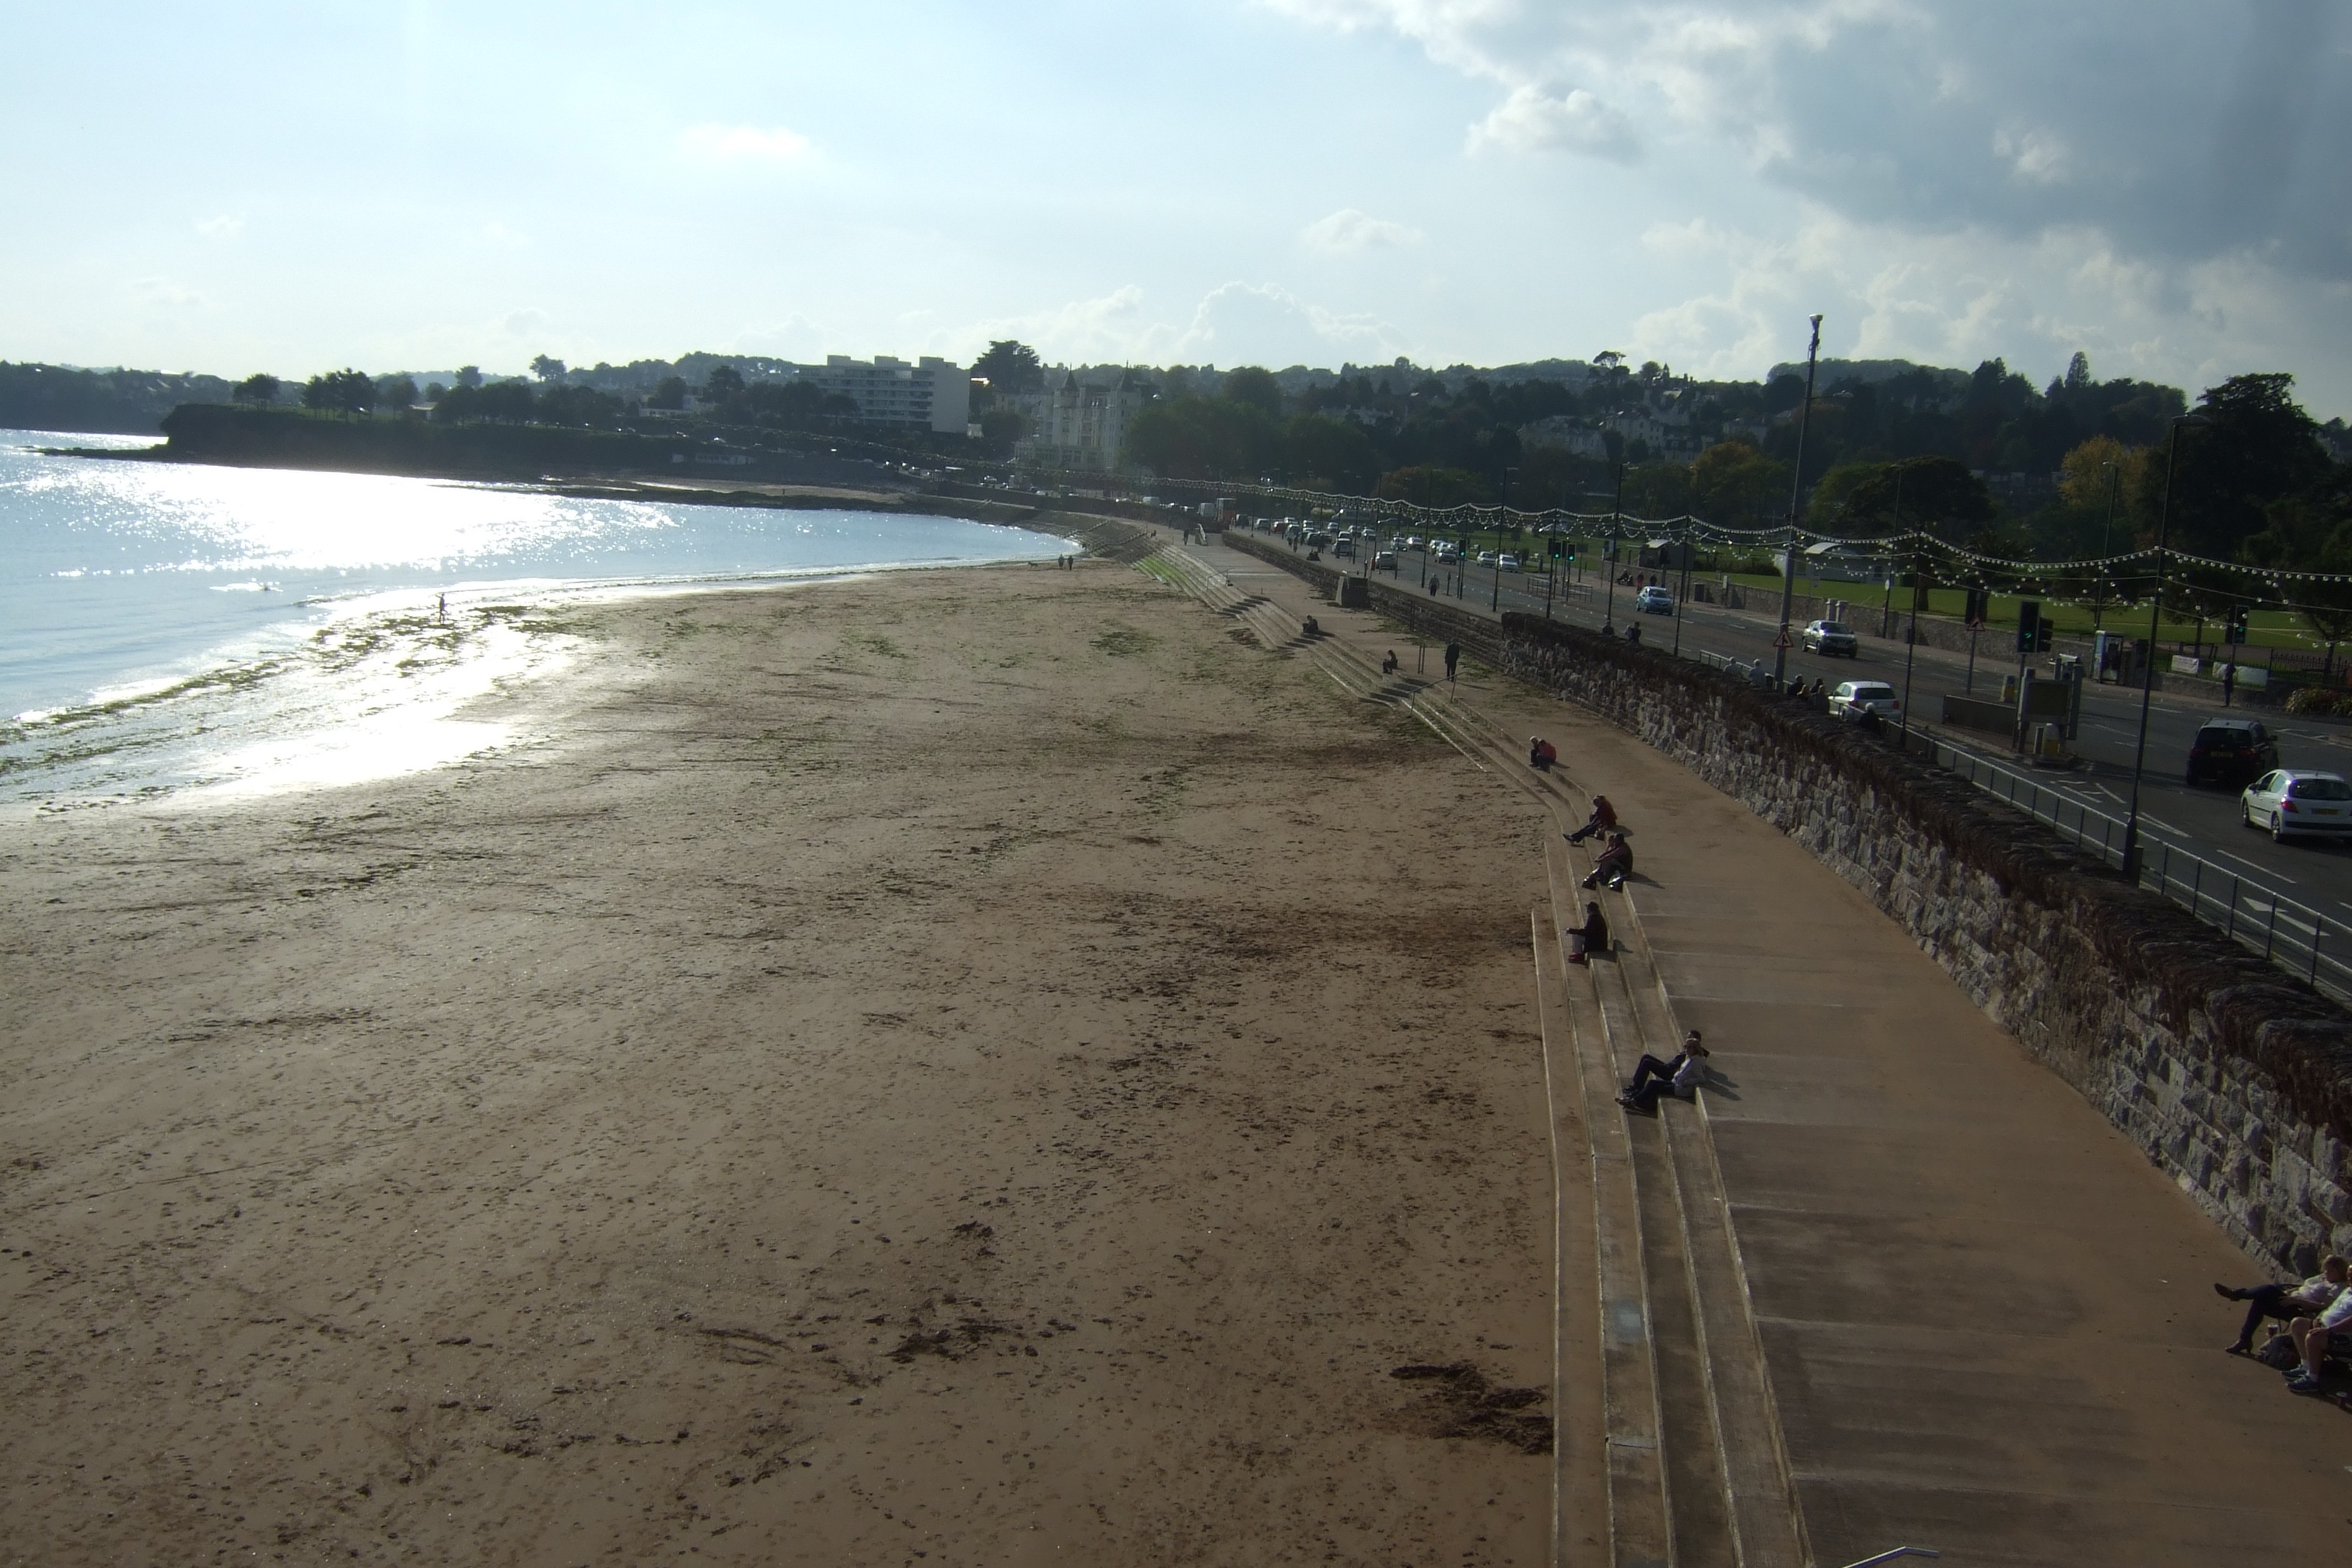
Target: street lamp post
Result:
[2148, 664]
[1796, 490]
[1609, 555]
[2106, 543]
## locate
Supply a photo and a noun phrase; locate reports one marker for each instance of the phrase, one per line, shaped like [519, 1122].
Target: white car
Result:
[1856, 698]
[1654, 600]
[1508, 562]
[2289, 801]
[1485, 558]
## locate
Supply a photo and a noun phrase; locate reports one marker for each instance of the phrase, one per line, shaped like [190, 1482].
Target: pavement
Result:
[1985, 1321]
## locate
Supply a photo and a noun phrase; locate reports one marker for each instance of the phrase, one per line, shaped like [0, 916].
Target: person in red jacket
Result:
[1541, 753]
[1604, 819]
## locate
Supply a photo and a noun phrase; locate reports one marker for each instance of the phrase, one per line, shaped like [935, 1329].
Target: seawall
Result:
[2233, 1077]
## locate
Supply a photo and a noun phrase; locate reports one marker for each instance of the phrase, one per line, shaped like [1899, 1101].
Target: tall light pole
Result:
[2148, 664]
[2106, 543]
[1609, 555]
[1796, 490]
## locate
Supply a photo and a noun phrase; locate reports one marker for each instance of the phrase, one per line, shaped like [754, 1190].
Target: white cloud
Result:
[1348, 232]
[1236, 323]
[742, 144]
[1537, 120]
[222, 228]
[2037, 156]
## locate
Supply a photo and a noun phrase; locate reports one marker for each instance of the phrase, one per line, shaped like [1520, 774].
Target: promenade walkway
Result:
[1930, 1291]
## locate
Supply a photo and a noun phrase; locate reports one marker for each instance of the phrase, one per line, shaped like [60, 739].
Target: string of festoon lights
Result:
[1952, 564]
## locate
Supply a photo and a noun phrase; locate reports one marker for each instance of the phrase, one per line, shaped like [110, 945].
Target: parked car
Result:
[2289, 801]
[1829, 638]
[1855, 698]
[2232, 752]
[1654, 600]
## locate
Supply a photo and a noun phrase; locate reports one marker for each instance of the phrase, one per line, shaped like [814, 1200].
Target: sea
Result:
[173, 628]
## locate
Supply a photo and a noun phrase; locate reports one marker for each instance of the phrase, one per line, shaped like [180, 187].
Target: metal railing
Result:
[2247, 910]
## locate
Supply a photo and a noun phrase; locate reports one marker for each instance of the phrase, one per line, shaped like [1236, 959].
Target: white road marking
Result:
[2258, 870]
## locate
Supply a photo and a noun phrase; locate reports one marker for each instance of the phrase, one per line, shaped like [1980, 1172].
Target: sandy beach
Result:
[970, 1067]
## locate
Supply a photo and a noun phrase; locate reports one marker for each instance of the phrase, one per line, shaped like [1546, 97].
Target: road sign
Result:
[1783, 640]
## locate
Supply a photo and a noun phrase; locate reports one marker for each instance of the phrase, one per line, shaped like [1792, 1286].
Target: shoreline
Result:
[981, 1064]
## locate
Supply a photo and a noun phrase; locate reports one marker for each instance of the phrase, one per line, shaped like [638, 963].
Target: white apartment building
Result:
[1076, 426]
[930, 392]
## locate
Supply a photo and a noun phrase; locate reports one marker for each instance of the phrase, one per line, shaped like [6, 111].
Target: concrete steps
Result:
[1680, 1461]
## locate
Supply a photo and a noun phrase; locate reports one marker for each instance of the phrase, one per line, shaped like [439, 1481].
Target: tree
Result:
[1433, 487]
[1734, 484]
[723, 383]
[576, 405]
[398, 392]
[260, 389]
[1010, 367]
[547, 369]
[345, 390]
[1323, 453]
[469, 376]
[434, 391]
[1255, 387]
[1936, 493]
[669, 394]
[999, 428]
[2258, 447]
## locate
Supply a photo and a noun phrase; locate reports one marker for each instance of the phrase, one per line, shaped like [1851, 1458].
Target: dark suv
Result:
[2231, 751]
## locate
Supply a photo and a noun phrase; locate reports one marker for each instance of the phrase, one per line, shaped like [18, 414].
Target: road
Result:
[2205, 821]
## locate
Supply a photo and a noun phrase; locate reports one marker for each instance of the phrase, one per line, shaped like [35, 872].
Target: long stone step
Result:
[1767, 1525]
[1580, 1533]
[1632, 1463]
[1683, 1453]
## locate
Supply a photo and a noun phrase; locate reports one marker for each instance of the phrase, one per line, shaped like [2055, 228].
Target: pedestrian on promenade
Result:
[1604, 819]
[1452, 657]
[2285, 1302]
[1654, 1078]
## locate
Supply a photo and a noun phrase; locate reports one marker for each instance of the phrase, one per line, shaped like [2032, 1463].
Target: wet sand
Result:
[963, 1067]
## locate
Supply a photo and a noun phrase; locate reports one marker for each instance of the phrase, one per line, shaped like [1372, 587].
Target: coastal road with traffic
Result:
[2202, 820]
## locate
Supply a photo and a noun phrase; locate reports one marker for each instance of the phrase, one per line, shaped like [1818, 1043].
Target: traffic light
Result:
[2028, 627]
[1558, 548]
[2238, 625]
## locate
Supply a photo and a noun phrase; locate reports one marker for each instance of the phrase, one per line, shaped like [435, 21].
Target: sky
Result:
[2163, 184]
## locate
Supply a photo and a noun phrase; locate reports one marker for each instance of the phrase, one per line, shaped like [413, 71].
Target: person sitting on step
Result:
[1589, 938]
[1613, 865]
[2285, 1302]
[1654, 1078]
[1604, 819]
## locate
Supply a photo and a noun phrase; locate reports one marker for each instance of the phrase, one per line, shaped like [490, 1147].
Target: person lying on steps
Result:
[1652, 1077]
[2285, 1302]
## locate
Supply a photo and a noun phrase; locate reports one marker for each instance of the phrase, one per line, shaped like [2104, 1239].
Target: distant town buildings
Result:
[933, 393]
[1074, 427]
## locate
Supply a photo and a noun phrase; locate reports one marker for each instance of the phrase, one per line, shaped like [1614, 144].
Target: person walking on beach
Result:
[1452, 657]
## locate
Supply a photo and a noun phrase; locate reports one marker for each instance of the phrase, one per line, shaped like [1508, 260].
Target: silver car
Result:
[2290, 801]
[1832, 637]
[1856, 698]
